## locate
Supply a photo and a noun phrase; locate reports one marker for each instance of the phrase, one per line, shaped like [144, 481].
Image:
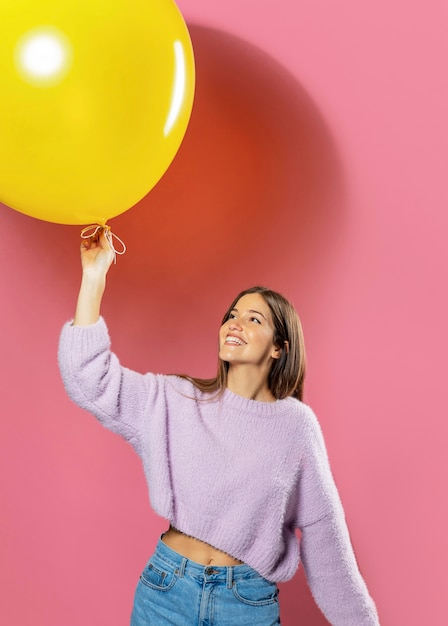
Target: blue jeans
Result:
[174, 590]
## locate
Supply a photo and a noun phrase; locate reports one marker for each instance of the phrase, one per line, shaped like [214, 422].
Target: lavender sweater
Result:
[239, 474]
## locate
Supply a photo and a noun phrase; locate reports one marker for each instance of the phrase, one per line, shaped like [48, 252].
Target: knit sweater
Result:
[238, 474]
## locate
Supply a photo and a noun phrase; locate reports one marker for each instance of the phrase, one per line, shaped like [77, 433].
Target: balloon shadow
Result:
[257, 176]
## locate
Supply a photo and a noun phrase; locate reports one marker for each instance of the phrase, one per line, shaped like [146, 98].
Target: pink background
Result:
[315, 162]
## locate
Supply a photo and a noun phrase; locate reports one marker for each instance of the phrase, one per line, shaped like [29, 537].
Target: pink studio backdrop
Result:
[314, 162]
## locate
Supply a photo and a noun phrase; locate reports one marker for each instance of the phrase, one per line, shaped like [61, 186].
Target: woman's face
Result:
[247, 337]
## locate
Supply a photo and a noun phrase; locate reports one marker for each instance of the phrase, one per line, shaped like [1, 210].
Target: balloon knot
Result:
[96, 229]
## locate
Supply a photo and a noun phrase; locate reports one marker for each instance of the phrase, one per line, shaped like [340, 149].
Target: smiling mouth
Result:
[234, 341]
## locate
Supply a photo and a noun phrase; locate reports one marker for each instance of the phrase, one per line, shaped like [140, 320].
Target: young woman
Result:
[235, 464]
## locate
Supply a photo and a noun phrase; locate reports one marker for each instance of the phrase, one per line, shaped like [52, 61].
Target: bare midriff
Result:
[196, 550]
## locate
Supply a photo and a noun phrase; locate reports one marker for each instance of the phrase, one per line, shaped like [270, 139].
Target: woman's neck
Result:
[245, 383]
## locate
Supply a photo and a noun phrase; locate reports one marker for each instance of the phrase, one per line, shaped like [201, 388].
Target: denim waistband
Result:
[183, 566]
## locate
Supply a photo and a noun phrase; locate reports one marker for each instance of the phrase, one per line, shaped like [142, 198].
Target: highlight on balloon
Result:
[43, 56]
[178, 87]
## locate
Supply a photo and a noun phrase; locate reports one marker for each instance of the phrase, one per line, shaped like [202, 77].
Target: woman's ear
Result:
[277, 351]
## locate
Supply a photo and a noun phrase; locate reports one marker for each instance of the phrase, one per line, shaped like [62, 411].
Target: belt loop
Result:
[229, 578]
[182, 567]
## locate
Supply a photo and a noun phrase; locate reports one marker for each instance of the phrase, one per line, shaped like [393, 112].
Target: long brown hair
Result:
[287, 375]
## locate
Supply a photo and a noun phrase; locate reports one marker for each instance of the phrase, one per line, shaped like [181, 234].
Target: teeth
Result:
[235, 340]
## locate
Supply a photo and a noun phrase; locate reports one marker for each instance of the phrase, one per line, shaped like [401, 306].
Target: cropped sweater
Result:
[238, 474]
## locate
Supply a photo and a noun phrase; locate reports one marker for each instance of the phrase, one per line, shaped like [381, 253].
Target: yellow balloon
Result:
[95, 98]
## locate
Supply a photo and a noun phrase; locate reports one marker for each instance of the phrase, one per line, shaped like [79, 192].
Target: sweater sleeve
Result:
[326, 550]
[95, 380]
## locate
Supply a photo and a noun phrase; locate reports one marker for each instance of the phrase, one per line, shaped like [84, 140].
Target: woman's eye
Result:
[232, 316]
[255, 319]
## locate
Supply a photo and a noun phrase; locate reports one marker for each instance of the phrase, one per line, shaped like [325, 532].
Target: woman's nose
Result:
[235, 324]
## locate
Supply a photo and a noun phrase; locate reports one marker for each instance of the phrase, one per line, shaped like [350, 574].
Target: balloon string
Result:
[94, 230]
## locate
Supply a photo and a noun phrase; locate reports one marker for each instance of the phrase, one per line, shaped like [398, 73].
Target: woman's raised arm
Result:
[96, 259]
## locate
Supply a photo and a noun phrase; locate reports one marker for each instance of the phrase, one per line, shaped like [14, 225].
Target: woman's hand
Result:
[96, 255]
